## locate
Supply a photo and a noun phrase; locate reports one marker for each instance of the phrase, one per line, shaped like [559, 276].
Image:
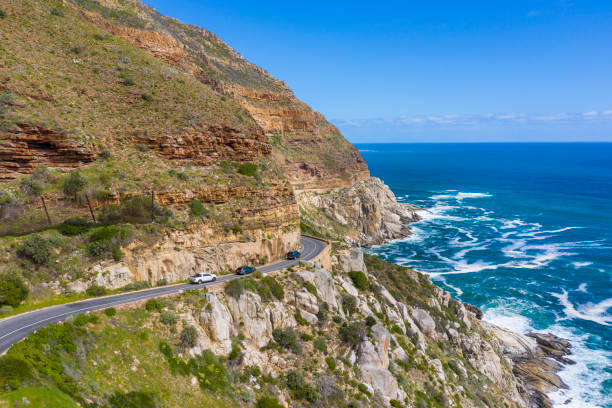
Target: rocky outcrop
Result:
[26, 147]
[207, 145]
[367, 213]
[535, 359]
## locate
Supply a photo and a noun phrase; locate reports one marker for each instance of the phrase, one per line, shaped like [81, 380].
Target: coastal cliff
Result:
[136, 150]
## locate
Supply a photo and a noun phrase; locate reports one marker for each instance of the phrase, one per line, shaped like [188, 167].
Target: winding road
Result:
[15, 328]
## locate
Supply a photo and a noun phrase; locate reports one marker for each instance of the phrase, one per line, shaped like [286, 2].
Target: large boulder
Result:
[324, 282]
[216, 320]
[352, 260]
[258, 319]
[424, 321]
[112, 276]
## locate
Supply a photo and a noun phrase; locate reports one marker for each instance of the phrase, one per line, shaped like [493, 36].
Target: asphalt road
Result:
[15, 328]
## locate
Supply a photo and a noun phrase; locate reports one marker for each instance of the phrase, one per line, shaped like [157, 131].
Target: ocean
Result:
[521, 230]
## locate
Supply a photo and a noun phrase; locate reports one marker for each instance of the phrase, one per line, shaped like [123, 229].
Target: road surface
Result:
[15, 328]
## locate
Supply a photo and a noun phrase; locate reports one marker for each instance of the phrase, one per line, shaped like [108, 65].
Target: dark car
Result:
[245, 270]
[294, 255]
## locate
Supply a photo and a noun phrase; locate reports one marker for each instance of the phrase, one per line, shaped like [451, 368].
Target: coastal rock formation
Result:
[365, 214]
[26, 147]
[535, 359]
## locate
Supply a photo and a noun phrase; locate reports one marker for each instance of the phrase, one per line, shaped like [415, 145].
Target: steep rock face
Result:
[210, 144]
[310, 150]
[26, 147]
[367, 213]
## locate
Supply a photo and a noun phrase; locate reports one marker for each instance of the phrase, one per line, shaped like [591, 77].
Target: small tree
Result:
[35, 248]
[189, 337]
[352, 333]
[349, 303]
[74, 183]
[359, 279]
[12, 290]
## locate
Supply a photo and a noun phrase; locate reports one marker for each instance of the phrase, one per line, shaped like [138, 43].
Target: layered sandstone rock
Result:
[367, 211]
[26, 147]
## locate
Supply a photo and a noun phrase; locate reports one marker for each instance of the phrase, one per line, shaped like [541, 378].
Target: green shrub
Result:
[396, 404]
[110, 312]
[322, 314]
[84, 318]
[146, 97]
[77, 49]
[31, 186]
[35, 248]
[237, 229]
[132, 399]
[306, 337]
[349, 304]
[197, 209]
[167, 318]
[235, 355]
[300, 388]
[12, 290]
[268, 402]
[162, 282]
[2, 14]
[105, 154]
[364, 390]
[96, 290]
[140, 147]
[189, 337]
[310, 287]
[275, 288]
[300, 320]
[74, 183]
[359, 279]
[128, 81]
[396, 329]
[331, 363]
[57, 12]
[352, 333]
[139, 285]
[257, 275]
[248, 169]
[5, 309]
[135, 209]
[287, 338]
[153, 305]
[105, 242]
[370, 321]
[74, 226]
[235, 288]
[320, 345]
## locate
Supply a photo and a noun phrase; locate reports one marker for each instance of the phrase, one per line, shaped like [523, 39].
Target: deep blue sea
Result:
[523, 231]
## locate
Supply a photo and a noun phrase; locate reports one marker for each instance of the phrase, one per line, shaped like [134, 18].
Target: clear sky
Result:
[431, 70]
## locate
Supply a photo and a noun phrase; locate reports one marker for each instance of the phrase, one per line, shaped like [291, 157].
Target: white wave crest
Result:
[594, 312]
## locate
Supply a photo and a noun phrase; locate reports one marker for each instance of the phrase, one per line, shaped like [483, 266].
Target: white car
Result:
[202, 278]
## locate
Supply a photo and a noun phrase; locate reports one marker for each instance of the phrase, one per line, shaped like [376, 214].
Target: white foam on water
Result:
[594, 312]
[582, 288]
[579, 265]
[459, 196]
[585, 378]
[503, 317]
[458, 291]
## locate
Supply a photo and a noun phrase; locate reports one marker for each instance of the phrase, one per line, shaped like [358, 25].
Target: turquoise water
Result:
[523, 231]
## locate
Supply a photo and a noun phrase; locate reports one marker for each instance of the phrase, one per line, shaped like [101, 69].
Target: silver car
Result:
[202, 278]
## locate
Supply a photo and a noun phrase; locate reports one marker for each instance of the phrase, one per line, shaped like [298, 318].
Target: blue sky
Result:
[431, 70]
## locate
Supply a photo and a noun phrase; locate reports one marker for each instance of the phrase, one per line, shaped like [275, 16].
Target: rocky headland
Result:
[136, 150]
